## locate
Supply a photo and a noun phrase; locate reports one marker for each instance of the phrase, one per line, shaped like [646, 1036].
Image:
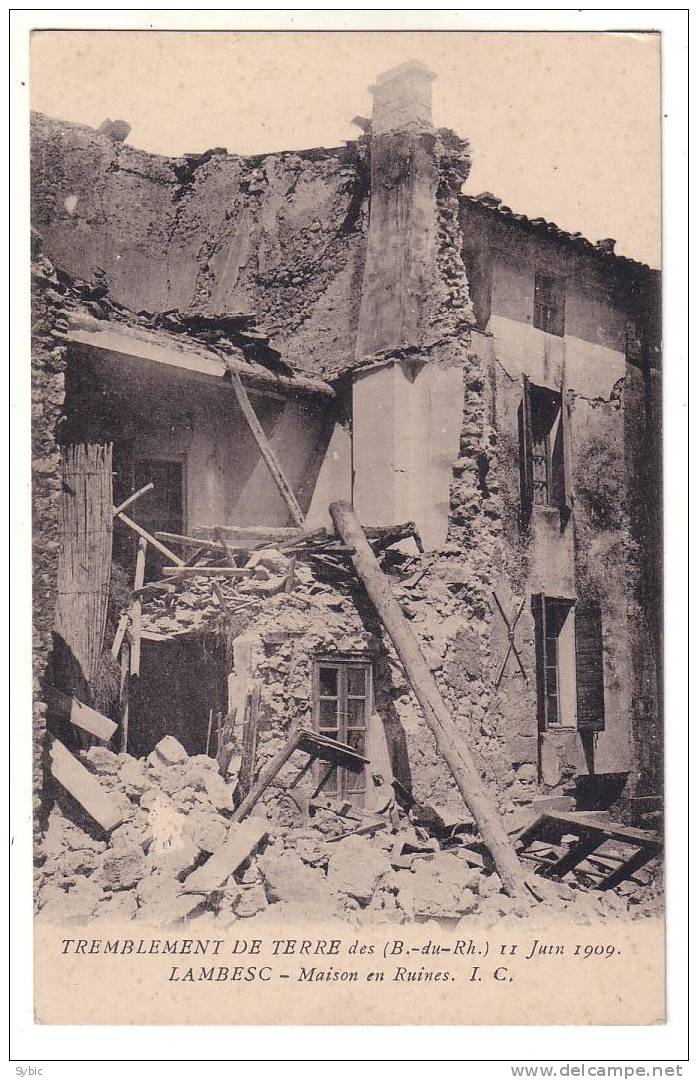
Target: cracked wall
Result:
[281, 235]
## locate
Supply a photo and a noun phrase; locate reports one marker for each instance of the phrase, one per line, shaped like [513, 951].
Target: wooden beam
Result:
[436, 714]
[206, 571]
[86, 788]
[135, 658]
[145, 535]
[265, 448]
[266, 776]
[132, 498]
[81, 715]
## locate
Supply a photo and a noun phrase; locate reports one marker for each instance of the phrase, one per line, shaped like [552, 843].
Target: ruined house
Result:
[425, 353]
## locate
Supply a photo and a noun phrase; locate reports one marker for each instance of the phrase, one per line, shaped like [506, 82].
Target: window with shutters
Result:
[342, 708]
[569, 663]
[589, 656]
[544, 452]
[549, 304]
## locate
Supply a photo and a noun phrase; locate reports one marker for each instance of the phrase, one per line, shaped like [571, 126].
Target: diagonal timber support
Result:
[265, 448]
[436, 714]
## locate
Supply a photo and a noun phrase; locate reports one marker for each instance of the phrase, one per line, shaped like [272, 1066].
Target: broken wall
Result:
[48, 364]
[280, 235]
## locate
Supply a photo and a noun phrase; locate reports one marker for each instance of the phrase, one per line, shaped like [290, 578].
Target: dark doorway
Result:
[161, 510]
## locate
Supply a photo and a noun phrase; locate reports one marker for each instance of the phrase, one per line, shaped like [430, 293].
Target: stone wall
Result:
[48, 362]
[281, 236]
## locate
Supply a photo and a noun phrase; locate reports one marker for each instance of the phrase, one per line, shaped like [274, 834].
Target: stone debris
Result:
[177, 856]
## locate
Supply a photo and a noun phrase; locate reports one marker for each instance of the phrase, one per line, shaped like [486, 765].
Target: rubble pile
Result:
[177, 856]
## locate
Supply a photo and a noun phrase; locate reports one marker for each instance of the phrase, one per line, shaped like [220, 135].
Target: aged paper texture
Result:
[347, 548]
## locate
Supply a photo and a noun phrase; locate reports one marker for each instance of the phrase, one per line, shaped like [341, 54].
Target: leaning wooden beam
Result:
[265, 448]
[132, 498]
[266, 776]
[83, 786]
[145, 535]
[429, 696]
[82, 716]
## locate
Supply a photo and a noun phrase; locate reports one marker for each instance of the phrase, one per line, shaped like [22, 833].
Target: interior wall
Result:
[178, 417]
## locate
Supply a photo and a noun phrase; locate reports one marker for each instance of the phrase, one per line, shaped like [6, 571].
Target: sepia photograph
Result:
[347, 527]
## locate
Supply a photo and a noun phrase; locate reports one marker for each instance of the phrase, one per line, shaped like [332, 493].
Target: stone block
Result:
[171, 751]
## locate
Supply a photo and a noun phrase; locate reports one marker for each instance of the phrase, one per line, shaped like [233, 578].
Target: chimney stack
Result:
[402, 99]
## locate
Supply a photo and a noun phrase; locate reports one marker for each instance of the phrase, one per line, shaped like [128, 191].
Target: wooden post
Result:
[265, 448]
[427, 693]
[139, 577]
[124, 692]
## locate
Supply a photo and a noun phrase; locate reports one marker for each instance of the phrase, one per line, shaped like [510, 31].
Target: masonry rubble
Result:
[177, 856]
[177, 822]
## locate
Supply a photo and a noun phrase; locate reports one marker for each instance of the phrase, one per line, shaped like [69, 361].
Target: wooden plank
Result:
[243, 840]
[132, 498]
[265, 448]
[207, 571]
[266, 776]
[124, 692]
[436, 714]
[635, 862]
[84, 787]
[145, 535]
[574, 856]
[119, 635]
[135, 659]
[81, 715]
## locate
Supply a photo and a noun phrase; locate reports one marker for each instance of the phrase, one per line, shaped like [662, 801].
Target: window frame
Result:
[549, 303]
[557, 450]
[551, 613]
[343, 782]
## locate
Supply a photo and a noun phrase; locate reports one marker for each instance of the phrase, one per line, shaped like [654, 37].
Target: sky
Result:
[564, 126]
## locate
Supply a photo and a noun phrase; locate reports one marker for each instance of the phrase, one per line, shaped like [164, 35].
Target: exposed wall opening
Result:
[549, 304]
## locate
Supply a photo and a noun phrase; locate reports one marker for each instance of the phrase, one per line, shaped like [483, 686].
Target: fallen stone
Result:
[157, 887]
[123, 869]
[287, 877]
[119, 906]
[355, 869]
[208, 831]
[250, 902]
[72, 908]
[175, 860]
[171, 911]
[171, 751]
[132, 775]
[244, 838]
[101, 760]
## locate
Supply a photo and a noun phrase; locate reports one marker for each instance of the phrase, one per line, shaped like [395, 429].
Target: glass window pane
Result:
[328, 714]
[356, 681]
[357, 740]
[356, 713]
[330, 786]
[328, 681]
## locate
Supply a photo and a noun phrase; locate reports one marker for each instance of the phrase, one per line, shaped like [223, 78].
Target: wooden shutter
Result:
[566, 492]
[526, 451]
[589, 654]
[538, 609]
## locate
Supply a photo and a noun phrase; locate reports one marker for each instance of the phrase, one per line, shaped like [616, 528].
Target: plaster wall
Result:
[407, 421]
[198, 422]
